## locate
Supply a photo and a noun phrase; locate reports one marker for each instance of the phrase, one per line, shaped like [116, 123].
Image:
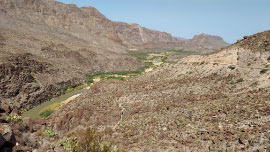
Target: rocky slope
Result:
[217, 101]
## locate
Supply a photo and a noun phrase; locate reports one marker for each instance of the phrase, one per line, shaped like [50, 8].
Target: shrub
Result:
[249, 64]
[231, 67]
[254, 84]
[114, 77]
[268, 58]
[88, 141]
[263, 71]
[50, 133]
[70, 144]
[239, 80]
[75, 85]
[202, 63]
[46, 113]
[13, 118]
[91, 141]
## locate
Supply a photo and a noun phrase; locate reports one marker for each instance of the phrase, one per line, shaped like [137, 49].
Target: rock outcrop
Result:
[7, 138]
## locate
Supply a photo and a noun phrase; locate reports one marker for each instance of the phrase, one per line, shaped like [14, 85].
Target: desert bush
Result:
[50, 133]
[263, 71]
[75, 85]
[13, 118]
[239, 80]
[91, 141]
[202, 63]
[88, 140]
[231, 67]
[70, 144]
[46, 113]
[254, 84]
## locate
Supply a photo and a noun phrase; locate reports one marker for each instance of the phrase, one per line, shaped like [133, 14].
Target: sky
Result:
[230, 19]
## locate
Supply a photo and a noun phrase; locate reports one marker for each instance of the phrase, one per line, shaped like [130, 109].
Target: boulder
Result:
[7, 138]
[3, 118]
[27, 124]
[5, 109]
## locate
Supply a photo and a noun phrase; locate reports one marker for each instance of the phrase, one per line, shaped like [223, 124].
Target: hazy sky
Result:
[230, 19]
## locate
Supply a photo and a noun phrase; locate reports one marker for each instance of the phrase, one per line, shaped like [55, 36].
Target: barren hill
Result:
[218, 101]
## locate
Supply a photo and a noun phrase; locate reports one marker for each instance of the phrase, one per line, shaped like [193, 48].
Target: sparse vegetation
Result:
[50, 133]
[91, 141]
[231, 67]
[139, 55]
[239, 80]
[13, 118]
[87, 141]
[254, 84]
[46, 113]
[68, 143]
[75, 85]
[263, 71]
[181, 52]
[202, 63]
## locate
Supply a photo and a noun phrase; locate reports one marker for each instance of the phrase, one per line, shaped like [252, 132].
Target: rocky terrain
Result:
[212, 102]
[47, 46]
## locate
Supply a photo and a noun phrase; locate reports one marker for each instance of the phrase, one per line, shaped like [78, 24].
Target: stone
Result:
[261, 150]
[27, 122]
[30, 140]
[242, 140]
[7, 138]
[6, 108]
[3, 118]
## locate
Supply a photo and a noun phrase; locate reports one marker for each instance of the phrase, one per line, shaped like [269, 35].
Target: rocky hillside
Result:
[212, 102]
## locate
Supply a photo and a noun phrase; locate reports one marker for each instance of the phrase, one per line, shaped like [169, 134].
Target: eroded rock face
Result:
[7, 138]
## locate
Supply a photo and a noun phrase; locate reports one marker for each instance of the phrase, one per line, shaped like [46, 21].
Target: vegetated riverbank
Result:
[48, 107]
[150, 59]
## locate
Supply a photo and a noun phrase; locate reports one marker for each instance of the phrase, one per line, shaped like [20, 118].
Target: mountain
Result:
[208, 41]
[47, 46]
[204, 102]
[199, 43]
